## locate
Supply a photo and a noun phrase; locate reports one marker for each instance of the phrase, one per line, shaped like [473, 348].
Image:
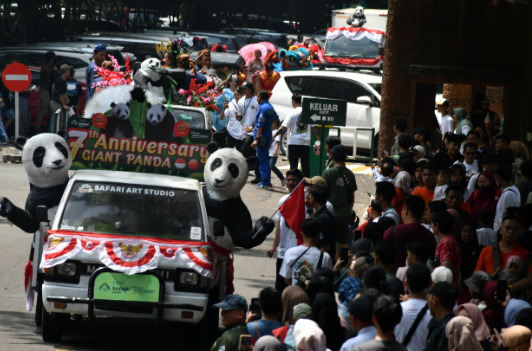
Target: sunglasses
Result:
[471, 153]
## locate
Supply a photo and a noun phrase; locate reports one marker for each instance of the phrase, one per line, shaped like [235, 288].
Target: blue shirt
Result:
[264, 119]
[89, 76]
[227, 96]
[365, 334]
[200, 78]
[265, 328]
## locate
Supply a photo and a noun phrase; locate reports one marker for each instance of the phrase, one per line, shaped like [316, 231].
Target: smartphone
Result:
[502, 286]
[254, 307]
[343, 254]
[358, 234]
[246, 343]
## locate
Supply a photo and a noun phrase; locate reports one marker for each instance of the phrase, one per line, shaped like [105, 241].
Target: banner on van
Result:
[136, 137]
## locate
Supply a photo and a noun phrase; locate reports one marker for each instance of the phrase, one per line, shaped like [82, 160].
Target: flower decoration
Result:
[216, 48]
[114, 76]
[199, 96]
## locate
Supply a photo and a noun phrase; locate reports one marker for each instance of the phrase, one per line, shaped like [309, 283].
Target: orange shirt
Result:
[425, 194]
[485, 260]
[268, 82]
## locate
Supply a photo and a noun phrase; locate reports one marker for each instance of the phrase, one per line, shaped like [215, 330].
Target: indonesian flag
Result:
[293, 211]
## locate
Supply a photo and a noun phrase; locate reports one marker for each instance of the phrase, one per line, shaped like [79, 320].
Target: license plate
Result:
[122, 287]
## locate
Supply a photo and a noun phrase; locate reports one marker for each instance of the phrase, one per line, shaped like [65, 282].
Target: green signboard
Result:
[175, 146]
[324, 111]
[123, 287]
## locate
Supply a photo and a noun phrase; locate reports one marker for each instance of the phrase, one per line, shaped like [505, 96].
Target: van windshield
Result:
[344, 47]
[112, 208]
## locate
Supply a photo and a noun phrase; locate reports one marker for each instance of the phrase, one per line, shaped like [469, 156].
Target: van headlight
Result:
[67, 269]
[188, 278]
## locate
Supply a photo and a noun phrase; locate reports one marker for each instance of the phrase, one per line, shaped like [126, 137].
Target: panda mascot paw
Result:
[138, 95]
[6, 207]
[225, 174]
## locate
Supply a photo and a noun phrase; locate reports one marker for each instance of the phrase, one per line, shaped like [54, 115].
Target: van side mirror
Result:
[41, 214]
[218, 229]
[364, 100]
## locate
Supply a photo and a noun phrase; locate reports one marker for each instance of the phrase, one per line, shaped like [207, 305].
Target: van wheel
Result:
[52, 326]
[38, 311]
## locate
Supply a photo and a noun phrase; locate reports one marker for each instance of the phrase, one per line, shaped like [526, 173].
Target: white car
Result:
[362, 91]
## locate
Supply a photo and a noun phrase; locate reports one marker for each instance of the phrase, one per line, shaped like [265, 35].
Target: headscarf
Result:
[516, 338]
[363, 244]
[479, 325]
[268, 343]
[512, 310]
[484, 200]
[463, 119]
[514, 259]
[374, 277]
[346, 293]
[494, 312]
[361, 265]
[326, 315]
[319, 284]
[469, 252]
[292, 296]
[442, 274]
[461, 336]
[309, 336]
[402, 182]
[456, 219]
[302, 311]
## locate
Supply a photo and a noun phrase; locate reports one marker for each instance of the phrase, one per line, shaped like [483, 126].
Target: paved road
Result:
[253, 271]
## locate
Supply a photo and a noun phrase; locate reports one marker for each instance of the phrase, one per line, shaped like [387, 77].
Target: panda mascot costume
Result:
[46, 158]
[226, 173]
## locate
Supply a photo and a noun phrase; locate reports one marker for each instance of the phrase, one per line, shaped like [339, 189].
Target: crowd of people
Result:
[442, 262]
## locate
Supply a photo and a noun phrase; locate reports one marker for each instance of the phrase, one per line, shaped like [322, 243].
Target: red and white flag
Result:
[293, 210]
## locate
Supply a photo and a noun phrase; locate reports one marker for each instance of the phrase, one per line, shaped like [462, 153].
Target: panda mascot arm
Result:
[225, 174]
[46, 158]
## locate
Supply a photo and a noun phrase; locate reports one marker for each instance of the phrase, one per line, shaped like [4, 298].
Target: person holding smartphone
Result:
[233, 312]
[270, 304]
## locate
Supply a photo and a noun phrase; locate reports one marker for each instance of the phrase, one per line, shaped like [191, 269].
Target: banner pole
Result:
[17, 118]
[277, 210]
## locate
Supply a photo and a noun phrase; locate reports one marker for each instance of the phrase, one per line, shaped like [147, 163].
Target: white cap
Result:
[442, 274]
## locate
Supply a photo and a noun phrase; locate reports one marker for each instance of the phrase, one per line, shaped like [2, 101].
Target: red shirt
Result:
[449, 250]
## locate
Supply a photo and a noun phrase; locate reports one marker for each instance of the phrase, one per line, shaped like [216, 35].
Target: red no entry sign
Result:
[17, 77]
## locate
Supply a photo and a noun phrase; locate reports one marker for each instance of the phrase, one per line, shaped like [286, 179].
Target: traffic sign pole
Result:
[322, 149]
[17, 118]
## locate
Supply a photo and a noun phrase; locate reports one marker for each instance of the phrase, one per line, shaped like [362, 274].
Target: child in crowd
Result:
[444, 176]
[274, 153]
[383, 173]
[514, 264]
[486, 235]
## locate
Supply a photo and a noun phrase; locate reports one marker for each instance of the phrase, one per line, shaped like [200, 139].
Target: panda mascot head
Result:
[46, 158]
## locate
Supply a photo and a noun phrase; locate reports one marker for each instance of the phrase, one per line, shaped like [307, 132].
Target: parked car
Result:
[34, 97]
[134, 18]
[362, 91]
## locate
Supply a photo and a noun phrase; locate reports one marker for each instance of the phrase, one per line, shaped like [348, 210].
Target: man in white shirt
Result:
[417, 279]
[301, 262]
[446, 122]
[284, 236]
[470, 160]
[510, 194]
[248, 107]
[235, 130]
[299, 139]
[361, 318]
[384, 194]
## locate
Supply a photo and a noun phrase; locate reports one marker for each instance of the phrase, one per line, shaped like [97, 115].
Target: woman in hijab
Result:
[516, 338]
[292, 296]
[494, 312]
[268, 343]
[402, 189]
[325, 313]
[301, 311]
[346, 293]
[461, 335]
[462, 122]
[360, 266]
[471, 311]
[456, 221]
[469, 249]
[309, 336]
[512, 310]
[319, 284]
[486, 196]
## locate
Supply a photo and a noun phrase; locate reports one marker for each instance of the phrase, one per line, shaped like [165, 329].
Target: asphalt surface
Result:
[253, 271]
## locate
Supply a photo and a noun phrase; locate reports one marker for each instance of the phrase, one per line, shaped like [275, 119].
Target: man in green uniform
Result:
[233, 311]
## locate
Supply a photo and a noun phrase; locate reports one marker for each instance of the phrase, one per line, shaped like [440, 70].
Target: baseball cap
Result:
[362, 244]
[65, 68]
[316, 180]
[196, 40]
[444, 291]
[99, 47]
[477, 281]
[339, 152]
[232, 302]
[421, 151]
[423, 131]
[442, 102]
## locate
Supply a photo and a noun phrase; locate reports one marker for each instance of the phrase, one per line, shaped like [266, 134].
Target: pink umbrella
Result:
[269, 46]
[248, 52]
